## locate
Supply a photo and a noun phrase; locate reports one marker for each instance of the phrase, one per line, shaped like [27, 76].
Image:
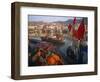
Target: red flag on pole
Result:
[80, 31]
[74, 21]
[69, 27]
[74, 32]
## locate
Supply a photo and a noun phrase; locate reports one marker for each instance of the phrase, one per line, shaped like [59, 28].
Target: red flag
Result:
[69, 27]
[80, 31]
[74, 33]
[74, 21]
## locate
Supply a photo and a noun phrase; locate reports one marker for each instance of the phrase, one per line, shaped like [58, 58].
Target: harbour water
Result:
[70, 53]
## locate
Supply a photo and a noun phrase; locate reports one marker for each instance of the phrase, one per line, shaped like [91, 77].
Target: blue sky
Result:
[48, 18]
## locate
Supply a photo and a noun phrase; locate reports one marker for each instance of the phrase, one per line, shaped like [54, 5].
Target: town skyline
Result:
[45, 18]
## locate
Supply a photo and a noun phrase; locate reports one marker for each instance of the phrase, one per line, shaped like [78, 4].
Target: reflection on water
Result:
[69, 51]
